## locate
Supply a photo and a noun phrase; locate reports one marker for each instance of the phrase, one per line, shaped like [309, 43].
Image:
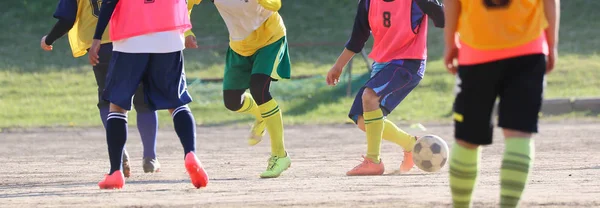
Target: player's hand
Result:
[450, 55]
[93, 53]
[190, 42]
[333, 76]
[45, 46]
[551, 60]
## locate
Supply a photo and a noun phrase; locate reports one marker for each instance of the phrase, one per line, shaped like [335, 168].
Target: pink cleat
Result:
[112, 181]
[367, 167]
[194, 168]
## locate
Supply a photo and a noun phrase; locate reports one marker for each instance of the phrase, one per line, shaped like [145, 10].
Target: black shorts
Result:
[518, 82]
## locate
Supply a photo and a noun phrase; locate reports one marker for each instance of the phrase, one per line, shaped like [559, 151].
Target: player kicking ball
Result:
[504, 49]
[399, 30]
[148, 42]
[78, 18]
[257, 55]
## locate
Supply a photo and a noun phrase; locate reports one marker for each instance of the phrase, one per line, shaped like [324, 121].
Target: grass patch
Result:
[53, 89]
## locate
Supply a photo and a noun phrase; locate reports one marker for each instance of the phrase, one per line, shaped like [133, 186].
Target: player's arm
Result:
[552, 11]
[272, 5]
[434, 9]
[361, 31]
[106, 11]
[66, 13]
[191, 4]
[451, 13]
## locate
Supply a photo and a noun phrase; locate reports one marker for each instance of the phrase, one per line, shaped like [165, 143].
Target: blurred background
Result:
[46, 89]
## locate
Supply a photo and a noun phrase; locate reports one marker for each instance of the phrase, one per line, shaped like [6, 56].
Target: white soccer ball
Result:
[430, 153]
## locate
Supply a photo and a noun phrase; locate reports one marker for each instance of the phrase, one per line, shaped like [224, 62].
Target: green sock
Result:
[464, 167]
[516, 165]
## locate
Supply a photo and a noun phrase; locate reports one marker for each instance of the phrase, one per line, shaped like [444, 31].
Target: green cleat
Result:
[257, 132]
[276, 166]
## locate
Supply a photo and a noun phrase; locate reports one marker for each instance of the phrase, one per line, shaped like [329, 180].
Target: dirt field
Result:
[61, 168]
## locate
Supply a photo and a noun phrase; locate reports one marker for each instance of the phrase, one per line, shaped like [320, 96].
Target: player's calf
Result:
[185, 127]
[517, 163]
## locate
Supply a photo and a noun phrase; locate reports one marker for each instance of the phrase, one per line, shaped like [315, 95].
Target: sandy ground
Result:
[61, 168]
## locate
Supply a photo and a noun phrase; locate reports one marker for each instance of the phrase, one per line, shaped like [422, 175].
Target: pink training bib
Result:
[139, 17]
[395, 36]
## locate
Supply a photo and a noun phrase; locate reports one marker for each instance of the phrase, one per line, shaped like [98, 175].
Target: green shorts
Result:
[272, 60]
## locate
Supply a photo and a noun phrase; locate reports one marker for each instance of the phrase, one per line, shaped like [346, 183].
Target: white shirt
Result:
[160, 42]
[242, 17]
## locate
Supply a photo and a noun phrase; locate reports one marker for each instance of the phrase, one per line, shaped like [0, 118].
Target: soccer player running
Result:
[79, 18]
[257, 54]
[399, 29]
[148, 42]
[501, 52]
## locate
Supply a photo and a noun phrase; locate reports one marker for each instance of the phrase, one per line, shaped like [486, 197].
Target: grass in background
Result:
[53, 89]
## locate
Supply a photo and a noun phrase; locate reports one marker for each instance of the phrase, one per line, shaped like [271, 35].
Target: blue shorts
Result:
[392, 81]
[162, 76]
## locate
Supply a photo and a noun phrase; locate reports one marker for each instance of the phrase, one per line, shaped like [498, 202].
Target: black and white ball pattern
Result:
[430, 153]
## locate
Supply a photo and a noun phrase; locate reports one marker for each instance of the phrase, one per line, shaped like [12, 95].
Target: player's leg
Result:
[124, 75]
[473, 109]
[520, 103]
[271, 62]
[147, 124]
[166, 88]
[100, 72]
[390, 84]
[235, 82]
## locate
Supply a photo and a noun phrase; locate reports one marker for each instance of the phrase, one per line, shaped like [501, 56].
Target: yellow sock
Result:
[392, 133]
[374, 130]
[272, 115]
[249, 106]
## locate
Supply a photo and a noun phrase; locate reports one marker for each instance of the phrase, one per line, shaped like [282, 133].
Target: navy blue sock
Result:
[147, 124]
[116, 136]
[185, 127]
[103, 115]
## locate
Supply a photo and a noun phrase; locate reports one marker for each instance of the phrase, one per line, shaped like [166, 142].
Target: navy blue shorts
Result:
[392, 82]
[162, 76]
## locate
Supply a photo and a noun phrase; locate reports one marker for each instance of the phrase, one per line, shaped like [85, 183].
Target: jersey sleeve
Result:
[361, 31]
[66, 10]
[272, 5]
[434, 9]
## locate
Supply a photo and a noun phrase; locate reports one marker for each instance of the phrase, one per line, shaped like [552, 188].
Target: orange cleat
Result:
[407, 163]
[112, 181]
[194, 168]
[367, 167]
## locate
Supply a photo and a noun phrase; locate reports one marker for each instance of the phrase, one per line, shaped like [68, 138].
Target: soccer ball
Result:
[430, 153]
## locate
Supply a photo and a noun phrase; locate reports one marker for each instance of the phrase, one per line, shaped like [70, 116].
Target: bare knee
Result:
[466, 144]
[117, 109]
[178, 109]
[370, 100]
[510, 133]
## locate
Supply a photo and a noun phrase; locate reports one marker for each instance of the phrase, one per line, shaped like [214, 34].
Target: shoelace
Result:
[363, 163]
[272, 162]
